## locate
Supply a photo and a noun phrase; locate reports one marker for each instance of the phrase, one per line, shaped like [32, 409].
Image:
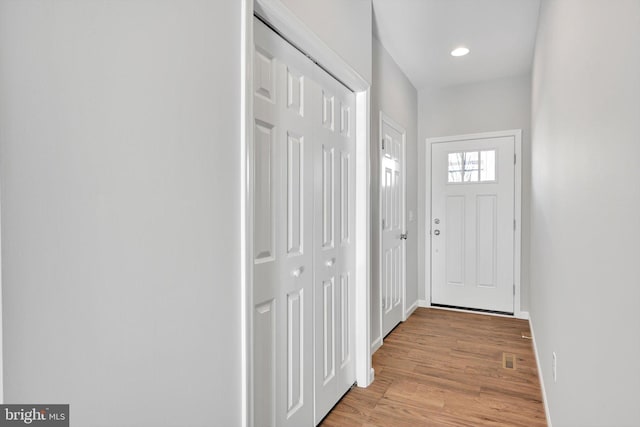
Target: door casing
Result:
[291, 28]
[424, 200]
[1, 329]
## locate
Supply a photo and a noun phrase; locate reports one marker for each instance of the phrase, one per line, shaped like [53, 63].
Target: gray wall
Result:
[585, 225]
[120, 175]
[471, 108]
[345, 26]
[120, 183]
[392, 93]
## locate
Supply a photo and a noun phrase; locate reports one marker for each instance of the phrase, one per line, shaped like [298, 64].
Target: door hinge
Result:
[383, 143]
[514, 225]
[514, 159]
[514, 289]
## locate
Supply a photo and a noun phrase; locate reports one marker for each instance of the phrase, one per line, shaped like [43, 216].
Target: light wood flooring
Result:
[445, 368]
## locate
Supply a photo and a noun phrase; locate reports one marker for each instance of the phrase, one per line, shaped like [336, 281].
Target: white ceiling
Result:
[420, 34]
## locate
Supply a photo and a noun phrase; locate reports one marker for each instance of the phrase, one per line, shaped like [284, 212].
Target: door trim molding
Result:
[246, 212]
[288, 25]
[425, 200]
[1, 326]
[385, 118]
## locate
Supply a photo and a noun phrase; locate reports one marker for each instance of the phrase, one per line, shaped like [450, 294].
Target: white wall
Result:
[120, 173]
[345, 26]
[585, 226]
[392, 93]
[472, 108]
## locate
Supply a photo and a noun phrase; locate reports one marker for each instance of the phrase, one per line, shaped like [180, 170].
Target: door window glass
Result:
[472, 166]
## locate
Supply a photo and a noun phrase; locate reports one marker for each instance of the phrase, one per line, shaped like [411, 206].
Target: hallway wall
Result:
[471, 108]
[392, 93]
[345, 26]
[585, 225]
[120, 174]
[120, 248]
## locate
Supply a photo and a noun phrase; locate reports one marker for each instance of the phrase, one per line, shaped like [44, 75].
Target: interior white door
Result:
[472, 224]
[334, 245]
[393, 225]
[283, 232]
[304, 252]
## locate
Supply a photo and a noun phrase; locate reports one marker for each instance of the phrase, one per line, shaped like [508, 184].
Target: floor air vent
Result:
[508, 361]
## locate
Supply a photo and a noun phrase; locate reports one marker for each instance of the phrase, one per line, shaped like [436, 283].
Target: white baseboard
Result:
[376, 344]
[411, 309]
[522, 315]
[423, 303]
[544, 392]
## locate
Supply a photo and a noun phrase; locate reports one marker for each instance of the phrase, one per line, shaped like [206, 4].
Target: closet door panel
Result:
[334, 249]
[282, 184]
[302, 177]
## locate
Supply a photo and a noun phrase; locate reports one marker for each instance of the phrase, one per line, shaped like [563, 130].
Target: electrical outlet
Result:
[554, 366]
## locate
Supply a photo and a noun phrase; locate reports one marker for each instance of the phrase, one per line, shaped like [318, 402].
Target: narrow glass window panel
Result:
[470, 166]
[455, 167]
[488, 165]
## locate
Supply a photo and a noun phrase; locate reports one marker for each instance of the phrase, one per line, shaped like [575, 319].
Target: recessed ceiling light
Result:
[459, 51]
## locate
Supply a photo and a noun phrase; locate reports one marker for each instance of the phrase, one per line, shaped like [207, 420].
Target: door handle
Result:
[403, 236]
[297, 272]
[329, 262]
[436, 232]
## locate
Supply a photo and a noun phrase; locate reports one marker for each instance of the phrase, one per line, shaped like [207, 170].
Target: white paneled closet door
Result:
[283, 233]
[334, 246]
[303, 179]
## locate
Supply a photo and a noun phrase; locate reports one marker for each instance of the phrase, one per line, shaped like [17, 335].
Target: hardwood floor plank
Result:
[444, 368]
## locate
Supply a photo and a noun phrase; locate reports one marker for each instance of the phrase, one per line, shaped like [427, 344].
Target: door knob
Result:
[436, 232]
[329, 262]
[436, 221]
[297, 272]
[403, 236]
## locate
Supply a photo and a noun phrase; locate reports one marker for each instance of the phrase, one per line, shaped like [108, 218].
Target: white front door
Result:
[393, 225]
[472, 223]
[334, 244]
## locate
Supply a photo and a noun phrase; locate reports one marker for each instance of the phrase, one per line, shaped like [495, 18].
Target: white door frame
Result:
[385, 118]
[294, 30]
[424, 199]
[1, 327]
